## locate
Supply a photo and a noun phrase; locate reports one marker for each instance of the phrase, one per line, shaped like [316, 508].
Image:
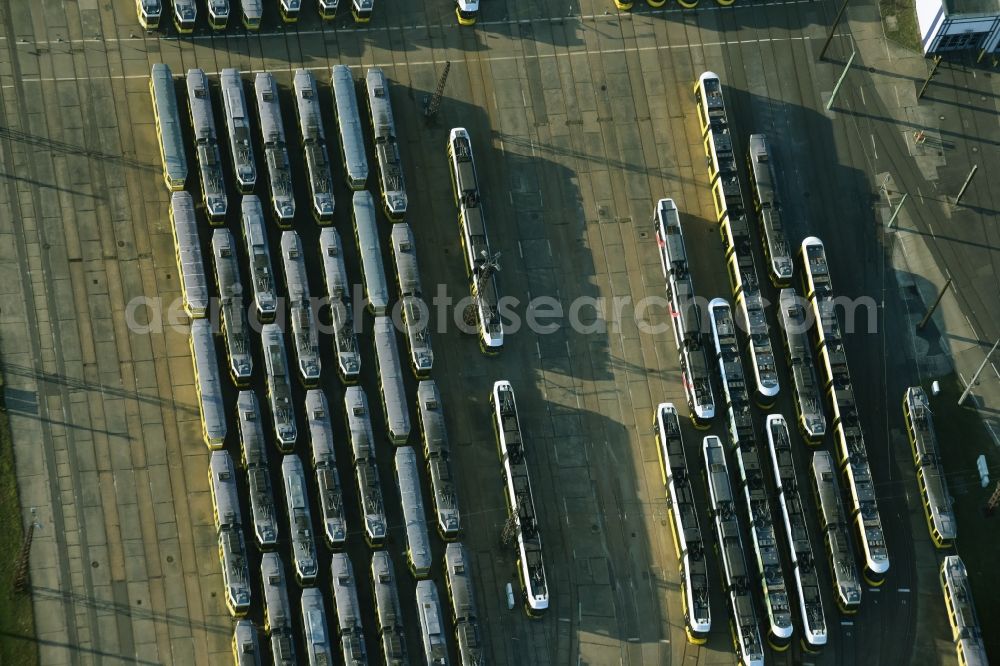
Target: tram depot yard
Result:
[282, 449]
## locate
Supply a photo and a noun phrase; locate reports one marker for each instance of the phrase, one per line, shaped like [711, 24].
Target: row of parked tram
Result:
[318, 468]
[522, 531]
[849, 444]
[718, 334]
[735, 224]
[736, 580]
[480, 263]
[685, 313]
[800, 548]
[184, 13]
[415, 321]
[331, 501]
[745, 449]
[251, 12]
[966, 633]
[625, 5]
[931, 480]
[312, 137]
[283, 206]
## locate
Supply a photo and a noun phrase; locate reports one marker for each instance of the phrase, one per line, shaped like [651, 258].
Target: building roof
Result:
[991, 7]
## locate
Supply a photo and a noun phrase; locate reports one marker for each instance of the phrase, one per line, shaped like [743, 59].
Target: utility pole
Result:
[489, 266]
[965, 186]
[927, 81]
[840, 81]
[884, 187]
[972, 382]
[932, 308]
[510, 527]
[899, 207]
[994, 501]
[433, 103]
[483, 271]
[833, 29]
[22, 582]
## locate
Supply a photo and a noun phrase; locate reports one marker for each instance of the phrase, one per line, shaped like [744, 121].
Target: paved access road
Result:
[580, 119]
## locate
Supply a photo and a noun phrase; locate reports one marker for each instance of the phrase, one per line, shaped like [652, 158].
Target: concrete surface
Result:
[581, 118]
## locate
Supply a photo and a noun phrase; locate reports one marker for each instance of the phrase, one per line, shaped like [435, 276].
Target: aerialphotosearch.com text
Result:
[541, 315]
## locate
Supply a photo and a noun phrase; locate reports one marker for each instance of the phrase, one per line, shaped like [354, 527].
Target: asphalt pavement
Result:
[581, 118]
